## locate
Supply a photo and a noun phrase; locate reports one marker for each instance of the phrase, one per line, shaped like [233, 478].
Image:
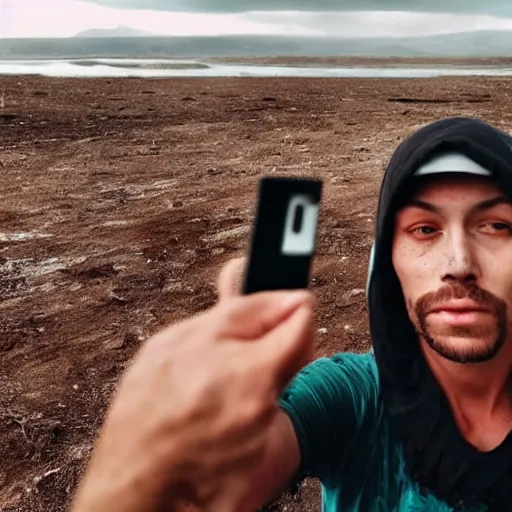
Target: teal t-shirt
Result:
[335, 407]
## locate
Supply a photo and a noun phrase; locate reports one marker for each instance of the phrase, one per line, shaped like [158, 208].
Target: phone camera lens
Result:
[297, 220]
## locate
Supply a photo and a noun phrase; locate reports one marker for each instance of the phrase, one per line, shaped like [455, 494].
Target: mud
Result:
[121, 200]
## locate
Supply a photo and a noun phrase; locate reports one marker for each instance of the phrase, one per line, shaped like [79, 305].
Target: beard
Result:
[463, 344]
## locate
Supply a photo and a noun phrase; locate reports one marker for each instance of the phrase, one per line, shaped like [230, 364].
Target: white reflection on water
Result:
[160, 68]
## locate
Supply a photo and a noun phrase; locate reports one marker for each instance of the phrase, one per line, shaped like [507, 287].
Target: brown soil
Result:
[121, 199]
[368, 61]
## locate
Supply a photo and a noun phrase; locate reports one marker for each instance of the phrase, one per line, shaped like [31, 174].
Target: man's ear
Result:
[229, 283]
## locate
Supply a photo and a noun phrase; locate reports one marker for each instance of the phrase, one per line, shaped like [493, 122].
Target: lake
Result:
[163, 68]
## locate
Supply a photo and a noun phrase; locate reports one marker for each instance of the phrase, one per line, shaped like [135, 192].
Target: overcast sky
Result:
[349, 18]
[493, 7]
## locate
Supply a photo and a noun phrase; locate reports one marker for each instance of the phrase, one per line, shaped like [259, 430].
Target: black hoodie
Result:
[436, 456]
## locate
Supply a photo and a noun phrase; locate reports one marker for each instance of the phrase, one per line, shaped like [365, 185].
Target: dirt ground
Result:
[121, 200]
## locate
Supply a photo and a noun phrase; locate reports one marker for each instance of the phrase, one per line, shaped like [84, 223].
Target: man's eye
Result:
[498, 227]
[424, 230]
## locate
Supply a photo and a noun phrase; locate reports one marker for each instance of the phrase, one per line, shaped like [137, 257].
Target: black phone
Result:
[284, 231]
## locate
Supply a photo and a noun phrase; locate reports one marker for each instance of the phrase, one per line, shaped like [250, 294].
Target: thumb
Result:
[229, 283]
[253, 316]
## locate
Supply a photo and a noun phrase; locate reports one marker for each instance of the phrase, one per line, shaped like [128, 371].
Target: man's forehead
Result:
[436, 193]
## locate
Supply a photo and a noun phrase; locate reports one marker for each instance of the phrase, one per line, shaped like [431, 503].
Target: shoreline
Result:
[366, 61]
[276, 67]
[287, 61]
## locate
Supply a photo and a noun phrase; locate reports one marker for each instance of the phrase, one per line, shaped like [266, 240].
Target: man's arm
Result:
[195, 407]
[276, 471]
[327, 412]
[279, 466]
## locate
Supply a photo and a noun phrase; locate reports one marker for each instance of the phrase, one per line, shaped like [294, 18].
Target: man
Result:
[421, 423]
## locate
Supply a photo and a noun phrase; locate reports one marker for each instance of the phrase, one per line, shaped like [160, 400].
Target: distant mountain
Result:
[467, 44]
[119, 31]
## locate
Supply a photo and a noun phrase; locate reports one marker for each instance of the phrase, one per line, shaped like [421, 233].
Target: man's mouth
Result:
[459, 312]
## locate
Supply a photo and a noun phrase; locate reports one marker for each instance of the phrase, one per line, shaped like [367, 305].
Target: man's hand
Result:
[191, 415]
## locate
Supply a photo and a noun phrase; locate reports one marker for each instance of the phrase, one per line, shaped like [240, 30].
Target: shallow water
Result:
[161, 68]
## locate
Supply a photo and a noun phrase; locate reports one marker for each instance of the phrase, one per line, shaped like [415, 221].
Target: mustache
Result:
[459, 290]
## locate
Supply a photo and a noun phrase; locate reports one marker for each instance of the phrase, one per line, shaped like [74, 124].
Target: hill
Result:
[119, 31]
[462, 45]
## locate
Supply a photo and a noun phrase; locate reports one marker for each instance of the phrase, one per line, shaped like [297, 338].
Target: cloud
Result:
[65, 18]
[379, 23]
[502, 8]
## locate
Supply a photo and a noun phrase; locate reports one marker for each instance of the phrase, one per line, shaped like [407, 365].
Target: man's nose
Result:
[459, 263]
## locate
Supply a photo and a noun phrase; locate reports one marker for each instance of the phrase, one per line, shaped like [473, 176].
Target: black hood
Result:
[412, 398]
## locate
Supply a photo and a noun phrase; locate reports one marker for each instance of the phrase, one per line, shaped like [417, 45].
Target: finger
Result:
[229, 283]
[290, 346]
[253, 316]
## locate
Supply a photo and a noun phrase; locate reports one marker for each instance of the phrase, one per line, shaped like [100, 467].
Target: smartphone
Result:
[284, 231]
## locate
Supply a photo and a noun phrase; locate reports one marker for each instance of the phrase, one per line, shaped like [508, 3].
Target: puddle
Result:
[22, 236]
[134, 190]
[30, 268]
[115, 223]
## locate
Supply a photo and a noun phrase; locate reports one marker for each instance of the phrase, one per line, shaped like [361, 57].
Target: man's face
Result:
[452, 252]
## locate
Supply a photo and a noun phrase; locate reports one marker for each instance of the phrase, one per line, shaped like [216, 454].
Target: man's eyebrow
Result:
[418, 203]
[491, 203]
[484, 205]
